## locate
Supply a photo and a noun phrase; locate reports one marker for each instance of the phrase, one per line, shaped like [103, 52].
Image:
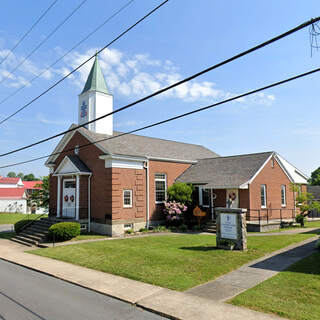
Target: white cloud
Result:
[139, 75]
[43, 120]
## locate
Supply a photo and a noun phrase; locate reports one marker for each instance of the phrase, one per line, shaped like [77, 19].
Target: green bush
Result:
[196, 228]
[173, 229]
[180, 192]
[64, 231]
[129, 231]
[183, 228]
[18, 226]
[301, 219]
[143, 230]
[318, 244]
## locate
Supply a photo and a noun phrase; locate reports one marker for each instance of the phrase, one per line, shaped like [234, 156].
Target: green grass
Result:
[177, 262]
[7, 235]
[11, 218]
[293, 294]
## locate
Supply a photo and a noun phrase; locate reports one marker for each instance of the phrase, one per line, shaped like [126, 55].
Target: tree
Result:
[11, 174]
[315, 178]
[180, 192]
[20, 175]
[40, 197]
[304, 202]
[29, 177]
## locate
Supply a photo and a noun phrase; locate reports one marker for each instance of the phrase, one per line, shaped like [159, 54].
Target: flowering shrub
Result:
[173, 211]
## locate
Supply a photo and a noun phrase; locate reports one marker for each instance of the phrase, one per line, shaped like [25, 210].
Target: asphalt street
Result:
[29, 295]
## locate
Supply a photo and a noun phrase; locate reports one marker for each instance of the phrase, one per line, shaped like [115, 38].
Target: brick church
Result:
[115, 184]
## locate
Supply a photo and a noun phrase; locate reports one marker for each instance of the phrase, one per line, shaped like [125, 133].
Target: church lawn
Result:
[177, 262]
[11, 218]
[293, 294]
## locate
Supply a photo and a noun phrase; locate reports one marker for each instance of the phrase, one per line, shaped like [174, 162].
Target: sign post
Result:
[231, 228]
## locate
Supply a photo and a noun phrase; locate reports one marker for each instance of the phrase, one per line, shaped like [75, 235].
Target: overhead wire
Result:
[84, 62]
[65, 54]
[272, 85]
[235, 57]
[10, 73]
[28, 32]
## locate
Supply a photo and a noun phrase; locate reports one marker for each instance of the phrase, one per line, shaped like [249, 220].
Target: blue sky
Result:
[182, 38]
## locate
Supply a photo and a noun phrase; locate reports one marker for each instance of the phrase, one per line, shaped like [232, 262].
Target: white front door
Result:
[232, 200]
[69, 198]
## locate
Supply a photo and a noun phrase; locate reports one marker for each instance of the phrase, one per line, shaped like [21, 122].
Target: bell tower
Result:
[95, 101]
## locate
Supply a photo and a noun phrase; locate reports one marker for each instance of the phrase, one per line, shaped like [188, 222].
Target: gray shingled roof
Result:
[224, 172]
[315, 191]
[135, 145]
[78, 163]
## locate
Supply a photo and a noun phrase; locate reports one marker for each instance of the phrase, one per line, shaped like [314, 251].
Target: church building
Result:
[111, 182]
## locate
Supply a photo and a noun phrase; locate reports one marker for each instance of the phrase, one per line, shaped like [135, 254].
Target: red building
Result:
[119, 182]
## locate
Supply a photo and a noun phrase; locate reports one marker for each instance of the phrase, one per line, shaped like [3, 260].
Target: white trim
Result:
[59, 197]
[260, 169]
[89, 203]
[77, 195]
[284, 187]
[264, 206]
[146, 165]
[65, 161]
[155, 187]
[125, 162]
[172, 160]
[131, 198]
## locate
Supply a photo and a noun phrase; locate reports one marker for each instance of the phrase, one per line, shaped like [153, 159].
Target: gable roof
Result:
[225, 172]
[136, 145]
[72, 164]
[7, 180]
[95, 81]
[32, 184]
[12, 193]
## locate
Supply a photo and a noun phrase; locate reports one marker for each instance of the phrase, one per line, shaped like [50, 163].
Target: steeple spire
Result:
[95, 81]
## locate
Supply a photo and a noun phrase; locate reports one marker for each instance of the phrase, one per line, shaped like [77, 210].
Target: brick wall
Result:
[172, 171]
[273, 177]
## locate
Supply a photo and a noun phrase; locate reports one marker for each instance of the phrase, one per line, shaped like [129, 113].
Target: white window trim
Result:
[283, 187]
[201, 189]
[127, 205]
[165, 187]
[265, 196]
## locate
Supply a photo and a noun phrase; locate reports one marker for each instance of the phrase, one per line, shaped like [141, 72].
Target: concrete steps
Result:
[211, 227]
[35, 233]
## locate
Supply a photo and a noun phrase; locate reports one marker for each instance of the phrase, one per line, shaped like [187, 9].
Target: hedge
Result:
[64, 231]
[18, 226]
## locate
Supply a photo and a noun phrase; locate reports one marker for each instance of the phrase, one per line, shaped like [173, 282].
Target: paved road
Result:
[29, 295]
[6, 227]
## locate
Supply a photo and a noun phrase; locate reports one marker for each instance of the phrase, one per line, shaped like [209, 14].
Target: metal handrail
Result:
[32, 221]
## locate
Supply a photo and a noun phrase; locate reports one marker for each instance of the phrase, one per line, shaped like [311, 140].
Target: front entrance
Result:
[69, 198]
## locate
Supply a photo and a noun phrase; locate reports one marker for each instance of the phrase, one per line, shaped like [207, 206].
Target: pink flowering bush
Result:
[173, 211]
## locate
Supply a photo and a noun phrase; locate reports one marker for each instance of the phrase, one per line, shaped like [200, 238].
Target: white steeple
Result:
[95, 101]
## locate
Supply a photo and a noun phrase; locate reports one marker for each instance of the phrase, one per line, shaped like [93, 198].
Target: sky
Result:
[181, 38]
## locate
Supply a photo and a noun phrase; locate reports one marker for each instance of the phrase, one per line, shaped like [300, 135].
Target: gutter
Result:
[146, 166]
[89, 203]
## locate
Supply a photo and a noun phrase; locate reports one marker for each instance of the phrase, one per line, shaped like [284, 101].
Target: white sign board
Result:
[228, 226]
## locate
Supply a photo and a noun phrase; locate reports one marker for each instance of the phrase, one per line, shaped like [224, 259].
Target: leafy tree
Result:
[11, 174]
[180, 192]
[20, 175]
[315, 178]
[29, 177]
[40, 197]
[304, 202]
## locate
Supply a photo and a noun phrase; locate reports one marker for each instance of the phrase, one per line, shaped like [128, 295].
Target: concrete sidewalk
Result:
[255, 272]
[6, 228]
[175, 305]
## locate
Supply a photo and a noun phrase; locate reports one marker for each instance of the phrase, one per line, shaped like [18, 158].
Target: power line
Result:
[70, 50]
[303, 25]
[275, 84]
[30, 29]
[43, 41]
[83, 63]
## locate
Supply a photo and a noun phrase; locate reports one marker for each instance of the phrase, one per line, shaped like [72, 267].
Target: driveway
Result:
[6, 228]
[29, 295]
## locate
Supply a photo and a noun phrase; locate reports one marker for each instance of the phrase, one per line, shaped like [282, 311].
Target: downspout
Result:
[89, 203]
[146, 165]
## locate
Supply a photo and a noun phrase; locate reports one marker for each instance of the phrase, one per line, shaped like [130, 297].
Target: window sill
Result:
[160, 202]
[127, 207]
[263, 207]
[283, 206]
